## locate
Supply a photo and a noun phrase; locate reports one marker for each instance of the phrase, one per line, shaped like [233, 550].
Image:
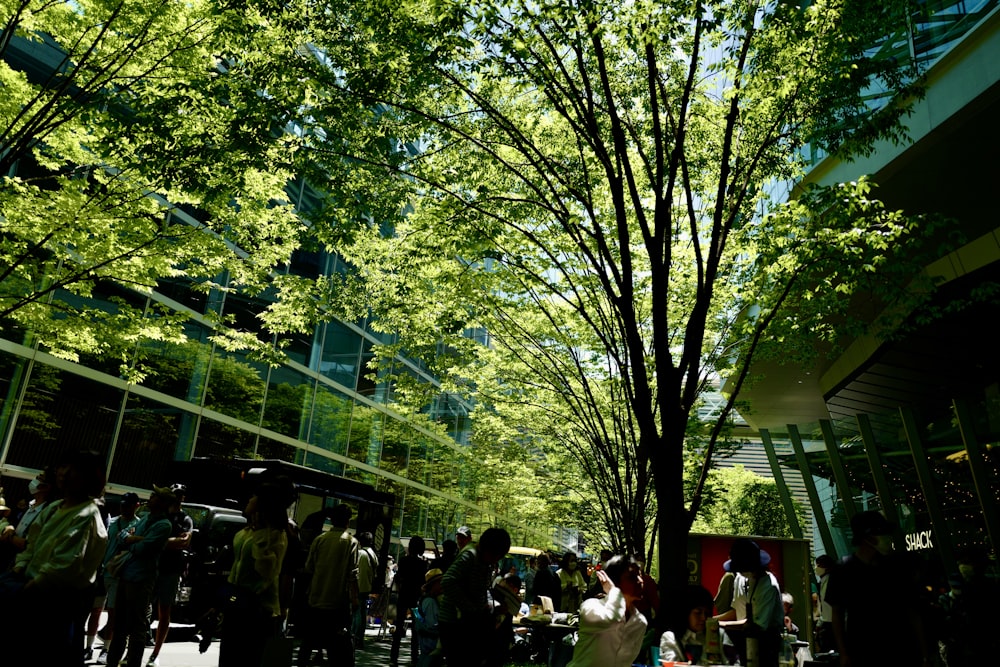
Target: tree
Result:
[139, 142]
[600, 186]
[741, 502]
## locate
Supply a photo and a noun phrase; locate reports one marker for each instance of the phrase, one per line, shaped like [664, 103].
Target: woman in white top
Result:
[611, 628]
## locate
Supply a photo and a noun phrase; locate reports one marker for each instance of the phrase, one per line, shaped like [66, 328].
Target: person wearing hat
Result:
[876, 600]
[757, 611]
[137, 576]
[427, 621]
[119, 528]
[463, 536]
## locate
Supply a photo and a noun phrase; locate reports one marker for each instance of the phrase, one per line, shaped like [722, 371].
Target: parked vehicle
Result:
[219, 491]
[518, 557]
[209, 560]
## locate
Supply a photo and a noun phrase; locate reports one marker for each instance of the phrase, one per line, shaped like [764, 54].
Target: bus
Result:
[517, 557]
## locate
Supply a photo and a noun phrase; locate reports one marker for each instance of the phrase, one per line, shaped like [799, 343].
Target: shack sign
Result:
[919, 541]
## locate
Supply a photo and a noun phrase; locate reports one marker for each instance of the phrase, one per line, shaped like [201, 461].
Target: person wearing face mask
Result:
[40, 490]
[757, 612]
[59, 566]
[876, 601]
[825, 564]
[571, 583]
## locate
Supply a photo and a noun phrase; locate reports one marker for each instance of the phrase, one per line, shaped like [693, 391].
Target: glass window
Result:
[366, 435]
[299, 346]
[112, 299]
[289, 402]
[341, 351]
[307, 263]
[331, 420]
[414, 519]
[236, 386]
[324, 463]
[444, 469]
[178, 370]
[12, 370]
[216, 439]
[361, 475]
[395, 453]
[452, 412]
[366, 375]
[272, 449]
[311, 200]
[150, 438]
[60, 410]
[949, 471]
[183, 292]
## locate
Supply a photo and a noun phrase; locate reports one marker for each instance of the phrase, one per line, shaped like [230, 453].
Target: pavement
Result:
[181, 650]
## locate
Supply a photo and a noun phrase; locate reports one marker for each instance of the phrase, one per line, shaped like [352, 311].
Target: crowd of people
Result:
[66, 564]
[870, 607]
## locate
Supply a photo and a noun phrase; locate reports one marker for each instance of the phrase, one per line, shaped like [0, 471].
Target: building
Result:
[909, 425]
[321, 408]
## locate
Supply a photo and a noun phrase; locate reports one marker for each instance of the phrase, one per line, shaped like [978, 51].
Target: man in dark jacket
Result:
[876, 601]
[547, 582]
[466, 615]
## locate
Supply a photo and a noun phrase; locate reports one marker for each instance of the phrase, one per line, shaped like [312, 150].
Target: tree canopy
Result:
[602, 187]
[138, 145]
[598, 189]
[741, 502]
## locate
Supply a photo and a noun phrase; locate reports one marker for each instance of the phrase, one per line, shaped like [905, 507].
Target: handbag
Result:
[117, 562]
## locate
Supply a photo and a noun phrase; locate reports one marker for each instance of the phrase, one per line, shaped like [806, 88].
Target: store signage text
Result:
[921, 540]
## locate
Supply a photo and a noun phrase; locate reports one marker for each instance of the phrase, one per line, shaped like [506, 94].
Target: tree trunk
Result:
[674, 522]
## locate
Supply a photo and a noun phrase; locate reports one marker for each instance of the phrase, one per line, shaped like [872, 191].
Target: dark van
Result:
[219, 490]
[209, 559]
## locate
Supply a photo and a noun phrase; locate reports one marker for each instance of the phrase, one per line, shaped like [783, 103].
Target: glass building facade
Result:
[320, 409]
[323, 408]
[933, 471]
[910, 426]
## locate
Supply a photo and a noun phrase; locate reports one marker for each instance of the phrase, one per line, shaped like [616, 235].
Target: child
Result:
[426, 621]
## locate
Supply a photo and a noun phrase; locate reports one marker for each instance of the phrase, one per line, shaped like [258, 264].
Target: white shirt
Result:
[825, 610]
[607, 637]
[768, 612]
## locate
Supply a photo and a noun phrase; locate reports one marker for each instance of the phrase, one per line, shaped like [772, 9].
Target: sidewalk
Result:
[182, 653]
